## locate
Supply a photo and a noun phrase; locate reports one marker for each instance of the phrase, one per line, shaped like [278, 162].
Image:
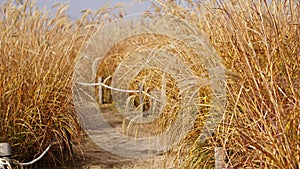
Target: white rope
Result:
[117, 89]
[4, 163]
[16, 162]
[37, 159]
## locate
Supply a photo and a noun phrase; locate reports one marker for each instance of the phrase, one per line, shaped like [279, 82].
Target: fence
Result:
[220, 157]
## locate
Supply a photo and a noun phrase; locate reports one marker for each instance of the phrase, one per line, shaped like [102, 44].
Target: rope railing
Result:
[119, 90]
[7, 163]
[219, 151]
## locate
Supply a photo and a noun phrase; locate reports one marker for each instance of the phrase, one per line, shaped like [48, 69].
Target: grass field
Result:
[258, 42]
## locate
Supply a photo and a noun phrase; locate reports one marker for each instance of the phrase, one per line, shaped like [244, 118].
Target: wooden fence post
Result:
[5, 152]
[141, 96]
[219, 158]
[100, 90]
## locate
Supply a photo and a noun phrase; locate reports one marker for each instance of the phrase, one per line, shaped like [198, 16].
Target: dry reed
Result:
[257, 40]
[38, 54]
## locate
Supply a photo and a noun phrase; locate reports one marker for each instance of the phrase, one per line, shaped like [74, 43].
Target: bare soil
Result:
[92, 156]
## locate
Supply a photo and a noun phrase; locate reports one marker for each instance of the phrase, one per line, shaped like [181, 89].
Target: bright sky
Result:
[77, 5]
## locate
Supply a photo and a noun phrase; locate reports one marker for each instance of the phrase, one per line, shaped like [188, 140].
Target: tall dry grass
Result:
[259, 42]
[38, 53]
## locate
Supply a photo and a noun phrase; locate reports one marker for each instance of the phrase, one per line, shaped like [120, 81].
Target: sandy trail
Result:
[97, 158]
[94, 157]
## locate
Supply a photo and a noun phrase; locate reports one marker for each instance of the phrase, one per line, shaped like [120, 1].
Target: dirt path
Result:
[94, 157]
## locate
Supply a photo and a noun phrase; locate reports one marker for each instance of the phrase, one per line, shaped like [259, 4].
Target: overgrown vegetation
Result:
[37, 60]
[259, 42]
